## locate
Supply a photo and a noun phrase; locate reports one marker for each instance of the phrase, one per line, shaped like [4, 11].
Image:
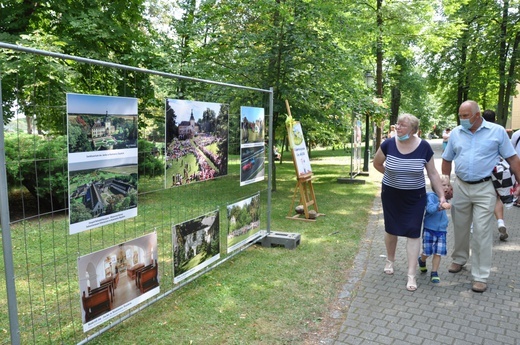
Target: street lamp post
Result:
[369, 79]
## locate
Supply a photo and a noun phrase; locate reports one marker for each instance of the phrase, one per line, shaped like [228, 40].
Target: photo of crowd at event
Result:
[178, 150]
[196, 141]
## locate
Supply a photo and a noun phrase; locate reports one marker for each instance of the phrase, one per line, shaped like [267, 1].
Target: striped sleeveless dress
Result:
[404, 188]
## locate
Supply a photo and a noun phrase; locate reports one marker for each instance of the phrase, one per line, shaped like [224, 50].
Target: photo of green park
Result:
[243, 221]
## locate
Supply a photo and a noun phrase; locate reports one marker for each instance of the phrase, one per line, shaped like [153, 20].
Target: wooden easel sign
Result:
[302, 165]
[301, 159]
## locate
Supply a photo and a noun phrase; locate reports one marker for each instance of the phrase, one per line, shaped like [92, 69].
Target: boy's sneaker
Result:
[502, 229]
[422, 265]
[435, 278]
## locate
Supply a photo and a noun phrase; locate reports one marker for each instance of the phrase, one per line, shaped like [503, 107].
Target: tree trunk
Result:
[395, 104]
[274, 71]
[379, 67]
[503, 104]
[462, 88]
[29, 121]
[511, 80]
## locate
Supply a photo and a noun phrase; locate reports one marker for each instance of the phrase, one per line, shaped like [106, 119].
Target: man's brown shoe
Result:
[479, 287]
[454, 268]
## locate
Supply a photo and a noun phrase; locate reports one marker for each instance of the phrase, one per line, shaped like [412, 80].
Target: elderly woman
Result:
[402, 160]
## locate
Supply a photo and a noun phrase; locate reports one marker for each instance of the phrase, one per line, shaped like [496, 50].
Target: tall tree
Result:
[465, 61]
[508, 54]
[94, 29]
[398, 26]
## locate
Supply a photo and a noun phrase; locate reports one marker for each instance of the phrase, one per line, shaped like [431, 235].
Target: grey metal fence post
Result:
[6, 236]
[270, 144]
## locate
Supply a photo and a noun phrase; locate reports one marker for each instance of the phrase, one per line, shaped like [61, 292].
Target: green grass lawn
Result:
[260, 296]
[268, 295]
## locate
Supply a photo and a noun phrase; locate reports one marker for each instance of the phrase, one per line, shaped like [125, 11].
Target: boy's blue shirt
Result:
[435, 219]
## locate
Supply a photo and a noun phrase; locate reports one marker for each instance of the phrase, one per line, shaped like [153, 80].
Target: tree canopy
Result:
[427, 56]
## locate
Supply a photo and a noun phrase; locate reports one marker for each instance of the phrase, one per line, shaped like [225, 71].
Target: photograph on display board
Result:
[116, 279]
[102, 160]
[252, 128]
[300, 154]
[243, 222]
[252, 145]
[252, 164]
[196, 141]
[101, 192]
[196, 245]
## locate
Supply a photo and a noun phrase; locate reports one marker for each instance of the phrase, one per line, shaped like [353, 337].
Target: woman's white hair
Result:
[414, 121]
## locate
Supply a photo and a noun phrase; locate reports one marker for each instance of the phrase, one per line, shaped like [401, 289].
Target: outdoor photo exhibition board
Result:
[299, 149]
[196, 141]
[116, 279]
[102, 160]
[252, 146]
[243, 222]
[196, 245]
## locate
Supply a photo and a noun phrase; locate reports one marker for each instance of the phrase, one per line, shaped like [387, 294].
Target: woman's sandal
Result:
[411, 285]
[389, 267]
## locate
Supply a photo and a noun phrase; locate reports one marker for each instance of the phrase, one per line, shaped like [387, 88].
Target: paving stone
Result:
[379, 310]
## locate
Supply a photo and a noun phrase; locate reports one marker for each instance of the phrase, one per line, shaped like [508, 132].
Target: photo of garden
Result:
[243, 222]
[197, 141]
[196, 244]
[252, 136]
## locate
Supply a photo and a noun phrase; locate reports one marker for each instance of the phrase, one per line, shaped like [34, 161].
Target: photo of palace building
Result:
[102, 160]
[112, 190]
[91, 193]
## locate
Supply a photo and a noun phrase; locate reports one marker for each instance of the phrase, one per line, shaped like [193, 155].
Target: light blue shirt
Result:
[476, 154]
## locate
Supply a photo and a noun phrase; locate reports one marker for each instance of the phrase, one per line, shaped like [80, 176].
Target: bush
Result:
[40, 165]
[149, 163]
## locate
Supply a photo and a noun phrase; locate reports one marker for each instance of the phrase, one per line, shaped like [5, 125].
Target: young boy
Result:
[434, 232]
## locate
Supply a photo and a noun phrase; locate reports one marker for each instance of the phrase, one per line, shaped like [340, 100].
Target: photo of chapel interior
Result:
[112, 277]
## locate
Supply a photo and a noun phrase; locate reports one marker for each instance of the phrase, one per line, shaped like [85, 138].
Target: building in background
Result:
[514, 122]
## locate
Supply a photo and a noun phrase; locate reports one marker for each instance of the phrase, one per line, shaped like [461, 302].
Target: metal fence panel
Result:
[40, 256]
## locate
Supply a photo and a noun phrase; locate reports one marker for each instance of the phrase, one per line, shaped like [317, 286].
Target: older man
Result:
[475, 146]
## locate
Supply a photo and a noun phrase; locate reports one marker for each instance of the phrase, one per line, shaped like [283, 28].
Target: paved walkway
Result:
[375, 308]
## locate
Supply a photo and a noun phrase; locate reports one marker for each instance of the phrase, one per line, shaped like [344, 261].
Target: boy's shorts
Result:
[434, 242]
